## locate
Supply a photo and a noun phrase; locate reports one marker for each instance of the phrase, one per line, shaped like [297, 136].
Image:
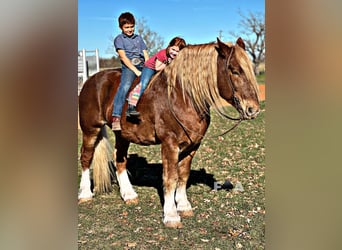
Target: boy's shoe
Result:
[116, 123]
[131, 111]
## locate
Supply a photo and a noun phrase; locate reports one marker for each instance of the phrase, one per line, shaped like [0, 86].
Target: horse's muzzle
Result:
[251, 112]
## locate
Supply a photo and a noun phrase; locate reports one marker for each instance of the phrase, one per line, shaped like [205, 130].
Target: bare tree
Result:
[252, 30]
[153, 41]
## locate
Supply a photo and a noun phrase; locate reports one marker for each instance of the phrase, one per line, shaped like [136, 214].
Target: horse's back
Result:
[96, 98]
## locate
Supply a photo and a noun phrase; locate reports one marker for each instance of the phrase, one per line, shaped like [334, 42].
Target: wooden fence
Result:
[88, 64]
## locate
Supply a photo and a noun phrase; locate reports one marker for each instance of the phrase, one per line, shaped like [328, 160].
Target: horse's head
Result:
[236, 79]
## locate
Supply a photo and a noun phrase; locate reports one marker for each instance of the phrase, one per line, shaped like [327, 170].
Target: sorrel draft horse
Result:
[174, 112]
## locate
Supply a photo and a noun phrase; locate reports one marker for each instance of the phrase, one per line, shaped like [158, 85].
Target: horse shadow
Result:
[142, 173]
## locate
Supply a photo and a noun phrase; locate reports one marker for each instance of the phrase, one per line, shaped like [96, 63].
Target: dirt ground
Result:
[262, 92]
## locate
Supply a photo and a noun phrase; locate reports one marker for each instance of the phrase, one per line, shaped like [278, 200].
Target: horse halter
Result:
[235, 100]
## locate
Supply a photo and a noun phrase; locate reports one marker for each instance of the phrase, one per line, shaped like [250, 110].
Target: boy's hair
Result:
[126, 18]
[176, 41]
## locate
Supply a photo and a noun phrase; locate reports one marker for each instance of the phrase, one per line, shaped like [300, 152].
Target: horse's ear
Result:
[222, 48]
[241, 43]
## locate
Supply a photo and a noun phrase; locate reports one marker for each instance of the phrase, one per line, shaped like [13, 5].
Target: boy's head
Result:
[126, 18]
[127, 23]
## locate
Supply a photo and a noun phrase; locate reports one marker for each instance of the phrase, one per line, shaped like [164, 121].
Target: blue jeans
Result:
[127, 78]
[146, 75]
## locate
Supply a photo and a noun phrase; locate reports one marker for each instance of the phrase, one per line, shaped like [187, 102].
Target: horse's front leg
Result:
[126, 189]
[183, 205]
[170, 178]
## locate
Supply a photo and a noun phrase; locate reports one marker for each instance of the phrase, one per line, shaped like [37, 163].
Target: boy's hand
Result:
[138, 73]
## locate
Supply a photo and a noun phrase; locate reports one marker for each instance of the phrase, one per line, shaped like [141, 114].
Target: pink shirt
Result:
[161, 56]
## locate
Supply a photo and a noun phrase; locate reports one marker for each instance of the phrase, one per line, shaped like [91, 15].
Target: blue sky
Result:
[197, 21]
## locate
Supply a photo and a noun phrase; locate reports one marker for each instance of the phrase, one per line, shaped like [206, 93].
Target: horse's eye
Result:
[235, 72]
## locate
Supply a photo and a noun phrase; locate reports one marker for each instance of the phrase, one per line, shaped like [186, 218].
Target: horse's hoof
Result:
[186, 213]
[173, 224]
[134, 201]
[83, 200]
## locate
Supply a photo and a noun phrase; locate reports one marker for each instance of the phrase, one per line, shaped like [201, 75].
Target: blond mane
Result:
[195, 68]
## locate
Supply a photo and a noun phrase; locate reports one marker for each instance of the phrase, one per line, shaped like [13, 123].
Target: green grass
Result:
[260, 78]
[222, 219]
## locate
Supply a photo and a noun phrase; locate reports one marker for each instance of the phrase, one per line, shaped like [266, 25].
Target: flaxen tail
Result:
[103, 156]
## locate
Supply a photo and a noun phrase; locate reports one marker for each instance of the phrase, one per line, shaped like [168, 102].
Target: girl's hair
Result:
[126, 18]
[176, 41]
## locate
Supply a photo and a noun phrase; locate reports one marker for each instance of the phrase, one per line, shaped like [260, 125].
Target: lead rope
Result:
[189, 130]
[235, 100]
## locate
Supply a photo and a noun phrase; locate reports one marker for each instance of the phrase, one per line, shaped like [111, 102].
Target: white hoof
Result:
[127, 196]
[185, 213]
[172, 222]
[85, 194]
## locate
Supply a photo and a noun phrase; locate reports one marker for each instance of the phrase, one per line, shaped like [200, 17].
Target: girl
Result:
[156, 63]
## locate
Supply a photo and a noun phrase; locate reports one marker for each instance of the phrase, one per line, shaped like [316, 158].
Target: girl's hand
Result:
[167, 61]
[160, 65]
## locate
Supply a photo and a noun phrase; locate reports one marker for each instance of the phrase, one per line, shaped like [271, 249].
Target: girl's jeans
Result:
[146, 75]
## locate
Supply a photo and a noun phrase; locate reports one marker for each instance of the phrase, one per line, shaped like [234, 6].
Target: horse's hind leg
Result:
[87, 153]
[183, 205]
[126, 189]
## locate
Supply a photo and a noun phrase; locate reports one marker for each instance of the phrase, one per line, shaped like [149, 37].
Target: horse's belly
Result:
[139, 136]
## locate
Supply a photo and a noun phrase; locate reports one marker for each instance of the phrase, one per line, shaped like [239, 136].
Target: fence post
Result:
[85, 71]
[97, 60]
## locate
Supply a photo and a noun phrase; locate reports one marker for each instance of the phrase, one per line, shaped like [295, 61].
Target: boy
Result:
[132, 51]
